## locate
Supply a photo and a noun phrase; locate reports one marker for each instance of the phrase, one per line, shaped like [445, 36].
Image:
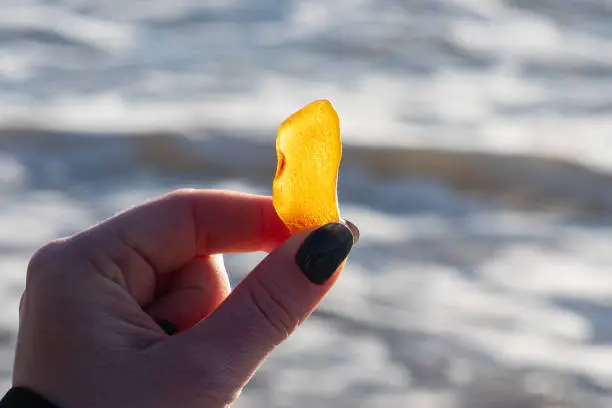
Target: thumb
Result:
[270, 303]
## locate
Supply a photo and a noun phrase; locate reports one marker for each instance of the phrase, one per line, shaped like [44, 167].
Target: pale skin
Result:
[88, 335]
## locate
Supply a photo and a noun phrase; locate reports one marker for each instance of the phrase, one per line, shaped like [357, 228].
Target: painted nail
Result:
[323, 251]
[168, 327]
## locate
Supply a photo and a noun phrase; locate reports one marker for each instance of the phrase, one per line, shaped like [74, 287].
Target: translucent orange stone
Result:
[309, 150]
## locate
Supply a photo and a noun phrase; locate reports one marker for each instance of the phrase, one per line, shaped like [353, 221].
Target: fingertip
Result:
[273, 231]
[354, 230]
[323, 251]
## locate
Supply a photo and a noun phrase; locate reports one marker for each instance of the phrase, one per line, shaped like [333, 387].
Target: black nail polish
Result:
[168, 327]
[354, 230]
[323, 251]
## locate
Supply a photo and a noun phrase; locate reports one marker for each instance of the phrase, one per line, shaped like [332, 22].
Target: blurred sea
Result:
[477, 164]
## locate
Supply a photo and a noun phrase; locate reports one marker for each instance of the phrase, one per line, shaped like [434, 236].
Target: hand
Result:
[89, 331]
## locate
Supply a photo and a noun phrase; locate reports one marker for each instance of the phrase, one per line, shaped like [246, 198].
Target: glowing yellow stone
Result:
[309, 150]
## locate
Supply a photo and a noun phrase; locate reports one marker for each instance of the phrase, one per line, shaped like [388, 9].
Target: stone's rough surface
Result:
[309, 151]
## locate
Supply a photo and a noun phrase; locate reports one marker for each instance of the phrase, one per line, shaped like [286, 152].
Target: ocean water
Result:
[477, 163]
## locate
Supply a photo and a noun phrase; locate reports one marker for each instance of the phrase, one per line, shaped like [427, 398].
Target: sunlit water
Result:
[480, 281]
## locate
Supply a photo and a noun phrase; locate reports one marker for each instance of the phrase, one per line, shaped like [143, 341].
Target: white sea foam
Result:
[453, 107]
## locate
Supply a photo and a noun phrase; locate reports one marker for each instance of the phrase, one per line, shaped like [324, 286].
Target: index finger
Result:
[171, 230]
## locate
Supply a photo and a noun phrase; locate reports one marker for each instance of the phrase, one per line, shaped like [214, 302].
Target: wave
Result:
[52, 26]
[518, 181]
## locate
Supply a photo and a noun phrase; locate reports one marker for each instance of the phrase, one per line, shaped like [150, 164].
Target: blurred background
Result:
[477, 155]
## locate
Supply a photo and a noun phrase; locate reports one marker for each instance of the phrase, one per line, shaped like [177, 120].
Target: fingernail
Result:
[168, 327]
[353, 229]
[323, 251]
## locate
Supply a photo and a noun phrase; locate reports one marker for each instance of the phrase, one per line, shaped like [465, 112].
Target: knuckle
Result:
[279, 321]
[181, 195]
[44, 259]
[182, 199]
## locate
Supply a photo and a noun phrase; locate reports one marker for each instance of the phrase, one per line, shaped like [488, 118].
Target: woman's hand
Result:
[95, 303]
